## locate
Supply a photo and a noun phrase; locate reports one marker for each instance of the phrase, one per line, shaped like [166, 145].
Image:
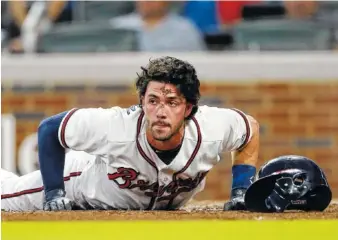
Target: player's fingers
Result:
[63, 204]
[228, 206]
[46, 207]
[67, 204]
[53, 206]
[59, 204]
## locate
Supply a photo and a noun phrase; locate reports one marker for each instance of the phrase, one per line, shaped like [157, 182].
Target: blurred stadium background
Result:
[275, 60]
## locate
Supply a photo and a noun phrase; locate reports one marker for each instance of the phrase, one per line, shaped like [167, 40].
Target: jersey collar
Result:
[152, 163]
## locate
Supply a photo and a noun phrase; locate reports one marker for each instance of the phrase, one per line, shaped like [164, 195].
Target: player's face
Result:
[165, 110]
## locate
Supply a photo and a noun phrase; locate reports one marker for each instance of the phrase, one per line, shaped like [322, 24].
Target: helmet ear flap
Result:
[299, 179]
[302, 182]
[289, 187]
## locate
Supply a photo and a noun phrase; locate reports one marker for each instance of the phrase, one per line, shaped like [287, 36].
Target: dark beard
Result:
[163, 139]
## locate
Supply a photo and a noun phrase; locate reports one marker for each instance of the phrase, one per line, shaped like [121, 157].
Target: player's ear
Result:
[188, 110]
[142, 101]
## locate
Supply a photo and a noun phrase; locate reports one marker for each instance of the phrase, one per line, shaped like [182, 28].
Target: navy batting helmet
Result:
[289, 182]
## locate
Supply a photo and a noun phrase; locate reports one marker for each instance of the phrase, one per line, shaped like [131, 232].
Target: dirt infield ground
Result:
[193, 211]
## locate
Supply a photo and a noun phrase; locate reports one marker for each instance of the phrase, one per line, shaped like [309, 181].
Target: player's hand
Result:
[237, 200]
[56, 201]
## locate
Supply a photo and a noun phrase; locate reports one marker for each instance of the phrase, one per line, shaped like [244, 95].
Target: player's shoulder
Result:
[211, 113]
[126, 123]
[121, 123]
[113, 112]
[215, 122]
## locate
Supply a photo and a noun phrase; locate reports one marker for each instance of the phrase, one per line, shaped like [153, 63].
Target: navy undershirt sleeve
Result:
[51, 153]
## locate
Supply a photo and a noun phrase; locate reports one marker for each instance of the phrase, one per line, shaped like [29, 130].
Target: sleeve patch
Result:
[132, 109]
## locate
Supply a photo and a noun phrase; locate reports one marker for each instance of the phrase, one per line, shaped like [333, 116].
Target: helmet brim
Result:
[257, 193]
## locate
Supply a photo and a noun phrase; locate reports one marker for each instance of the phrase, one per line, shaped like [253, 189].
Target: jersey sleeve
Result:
[237, 130]
[241, 129]
[229, 126]
[91, 129]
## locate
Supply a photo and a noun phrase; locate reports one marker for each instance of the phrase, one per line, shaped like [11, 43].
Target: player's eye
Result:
[152, 101]
[173, 104]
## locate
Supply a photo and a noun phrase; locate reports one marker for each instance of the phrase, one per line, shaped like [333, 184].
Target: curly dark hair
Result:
[174, 71]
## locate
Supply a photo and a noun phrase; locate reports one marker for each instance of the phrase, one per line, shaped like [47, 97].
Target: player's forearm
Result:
[244, 161]
[51, 153]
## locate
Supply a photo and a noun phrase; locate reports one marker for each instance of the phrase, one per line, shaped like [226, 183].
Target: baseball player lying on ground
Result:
[154, 156]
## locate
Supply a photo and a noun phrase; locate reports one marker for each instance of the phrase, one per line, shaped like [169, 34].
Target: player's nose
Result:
[160, 113]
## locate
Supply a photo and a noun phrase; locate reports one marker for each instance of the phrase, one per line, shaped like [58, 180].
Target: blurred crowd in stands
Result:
[94, 26]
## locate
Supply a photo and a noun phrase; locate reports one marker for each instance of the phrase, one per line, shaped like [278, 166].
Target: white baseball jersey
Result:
[112, 166]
